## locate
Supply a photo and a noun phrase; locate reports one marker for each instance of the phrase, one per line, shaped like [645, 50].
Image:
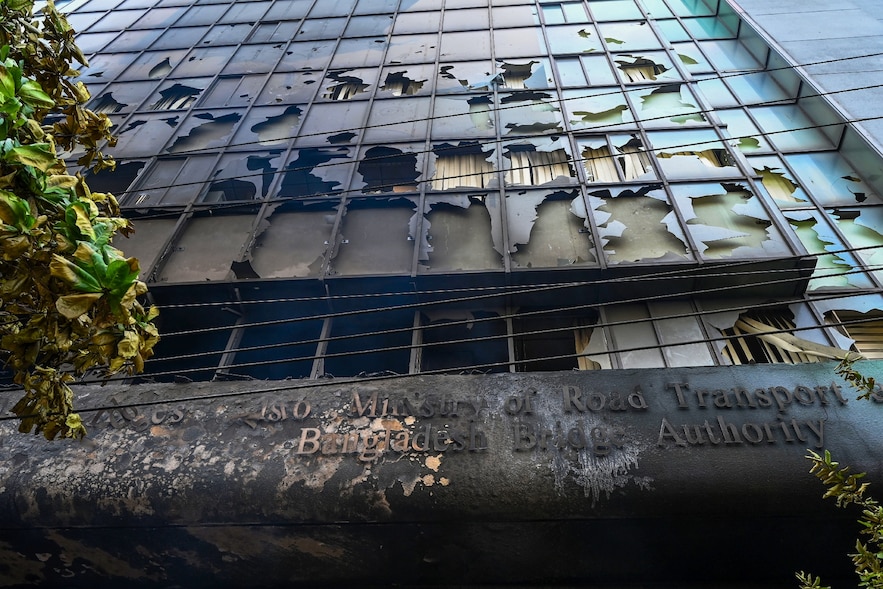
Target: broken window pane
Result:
[573, 39]
[293, 243]
[462, 165]
[153, 65]
[471, 75]
[347, 84]
[536, 164]
[204, 130]
[324, 120]
[459, 236]
[864, 328]
[833, 270]
[637, 225]
[689, 154]
[232, 91]
[398, 119]
[144, 135]
[667, 104]
[521, 75]
[556, 237]
[242, 177]
[778, 181]
[530, 113]
[148, 242]
[746, 136]
[863, 229]
[629, 157]
[629, 36]
[830, 179]
[315, 172]
[596, 109]
[375, 238]
[121, 98]
[646, 67]
[272, 125]
[446, 336]
[207, 248]
[389, 169]
[726, 220]
[462, 117]
[170, 181]
[410, 81]
[764, 337]
[115, 181]
[177, 96]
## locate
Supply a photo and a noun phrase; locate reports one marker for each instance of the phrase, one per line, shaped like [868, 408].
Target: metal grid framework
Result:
[476, 141]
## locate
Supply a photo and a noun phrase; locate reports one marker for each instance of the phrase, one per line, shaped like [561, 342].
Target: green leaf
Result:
[15, 212]
[38, 155]
[20, 5]
[79, 278]
[7, 83]
[32, 94]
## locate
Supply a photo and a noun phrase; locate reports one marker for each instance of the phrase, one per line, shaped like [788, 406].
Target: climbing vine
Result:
[68, 298]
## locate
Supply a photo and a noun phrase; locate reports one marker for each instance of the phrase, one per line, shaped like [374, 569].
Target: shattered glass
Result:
[635, 224]
[375, 238]
[457, 235]
[293, 244]
[458, 117]
[726, 220]
[778, 182]
[240, 176]
[465, 165]
[645, 67]
[203, 130]
[385, 169]
[530, 113]
[667, 104]
[596, 109]
[537, 163]
[315, 172]
[833, 270]
[692, 154]
[830, 179]
[573, 39]
[545, 231]
[631, 36]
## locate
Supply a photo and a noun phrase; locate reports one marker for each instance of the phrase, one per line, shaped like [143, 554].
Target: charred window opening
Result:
[401, 85]
[176, 97]
[764, 337]
[636, 68]
[386, 169]
[206, 134]
[345, 87]
[352, 353]
[548, 341]
[107, 104]
[446, 339]
[279, 127]
[462, 165]
[301, 177]
[530, 167]
[865, 329]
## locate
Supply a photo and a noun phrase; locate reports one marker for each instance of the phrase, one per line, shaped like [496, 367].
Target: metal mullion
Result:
[318, 368]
